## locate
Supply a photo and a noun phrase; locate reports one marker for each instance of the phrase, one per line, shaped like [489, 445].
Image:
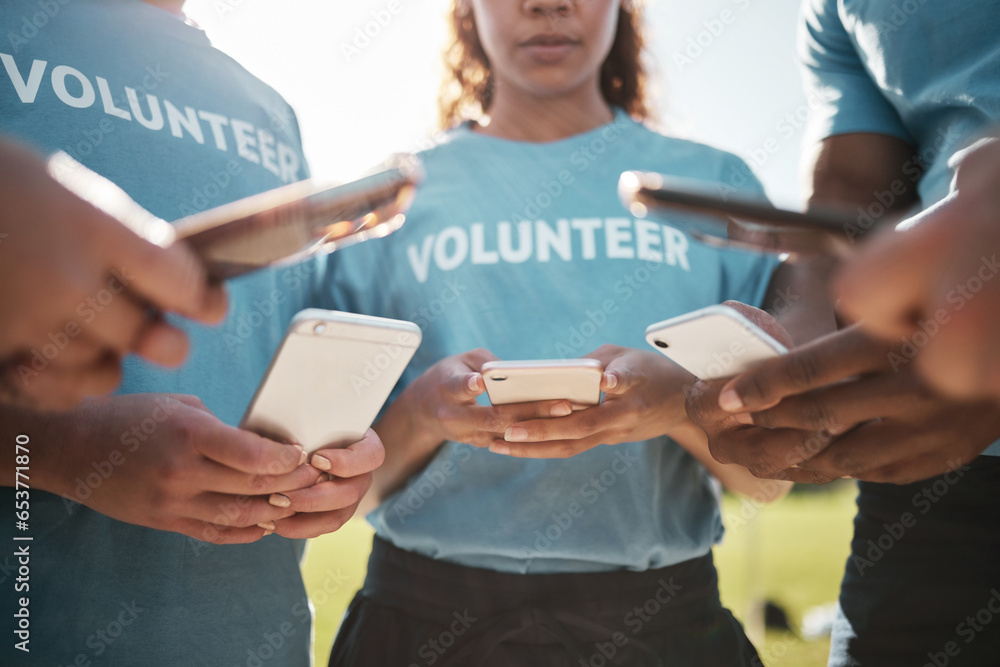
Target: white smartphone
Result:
[575, 380]
[713, 343]
[330, 377]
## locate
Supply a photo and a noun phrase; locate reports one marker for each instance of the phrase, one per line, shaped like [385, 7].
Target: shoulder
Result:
[652, 150]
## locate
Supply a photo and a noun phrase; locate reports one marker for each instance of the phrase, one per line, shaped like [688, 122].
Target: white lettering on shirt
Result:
[26, 91]
[87, 94]
[79, 91]
[625, 239]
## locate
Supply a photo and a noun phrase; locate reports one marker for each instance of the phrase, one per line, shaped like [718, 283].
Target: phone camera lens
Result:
[499, 379]
[319, 328]
[660, 343]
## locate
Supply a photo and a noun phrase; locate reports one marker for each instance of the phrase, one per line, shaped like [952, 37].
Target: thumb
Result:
[619, 377]
[464, 387]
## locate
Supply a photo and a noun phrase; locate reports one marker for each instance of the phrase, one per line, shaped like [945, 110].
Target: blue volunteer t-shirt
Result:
[139, 96]
[925, 71]
[526, 250]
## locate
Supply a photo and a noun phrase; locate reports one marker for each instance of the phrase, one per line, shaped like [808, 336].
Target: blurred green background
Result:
[791, 552]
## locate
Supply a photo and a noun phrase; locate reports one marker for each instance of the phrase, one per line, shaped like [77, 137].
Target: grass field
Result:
[792, 552]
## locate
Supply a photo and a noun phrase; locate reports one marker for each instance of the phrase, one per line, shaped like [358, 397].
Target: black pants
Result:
[417, 612]
[922, 585]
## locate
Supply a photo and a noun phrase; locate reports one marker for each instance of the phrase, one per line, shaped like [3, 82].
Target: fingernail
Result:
[321, 462]
[515, 434]
[303, 457]
[267, 526]
[730, 401]
[474, 382]
[562, 410]
[612, 380]
[268, 532]
[279, 500]
[744, 418]
[500, 449]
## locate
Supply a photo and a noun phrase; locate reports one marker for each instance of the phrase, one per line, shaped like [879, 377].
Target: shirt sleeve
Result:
[842, 94]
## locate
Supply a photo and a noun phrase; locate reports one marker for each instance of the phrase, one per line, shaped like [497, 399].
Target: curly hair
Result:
[467, 90]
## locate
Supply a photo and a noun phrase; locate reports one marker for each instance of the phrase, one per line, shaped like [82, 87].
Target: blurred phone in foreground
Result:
[720, 218]
[280, 226]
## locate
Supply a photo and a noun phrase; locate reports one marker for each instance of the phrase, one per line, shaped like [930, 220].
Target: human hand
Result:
[444, 403]
[932, 286]
[835, 408]
[78, 287]
[643, 398]
[165, 462]
[345, 477]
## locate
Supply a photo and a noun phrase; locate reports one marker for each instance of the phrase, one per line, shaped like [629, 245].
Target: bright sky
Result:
[725, 75]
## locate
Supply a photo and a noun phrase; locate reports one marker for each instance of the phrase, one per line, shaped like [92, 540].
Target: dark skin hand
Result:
[841, 406]
[935, 283]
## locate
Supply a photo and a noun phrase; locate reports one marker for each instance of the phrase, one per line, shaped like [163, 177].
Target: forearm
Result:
[859, 170]
[409, 446]
[799, 298]
[850, 172]
[47, 435]
[734, 478]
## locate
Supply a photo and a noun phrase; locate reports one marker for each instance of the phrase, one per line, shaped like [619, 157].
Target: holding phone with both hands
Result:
[330, 377]
[713, 343]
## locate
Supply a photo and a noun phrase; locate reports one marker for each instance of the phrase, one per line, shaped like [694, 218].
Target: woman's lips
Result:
[549, 48]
